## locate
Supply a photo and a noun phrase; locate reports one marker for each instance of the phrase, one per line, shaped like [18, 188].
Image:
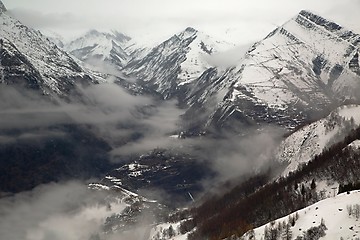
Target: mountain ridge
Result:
[53, 69]
[289, 79]
[176, 62]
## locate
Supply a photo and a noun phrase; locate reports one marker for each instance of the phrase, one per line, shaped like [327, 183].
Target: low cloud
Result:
[108, 102]
[233, 156]
[30, 136]
[157, 129]
[131, 124]
[21, 109]
[229, 58]
[67, 211]
[240, 155]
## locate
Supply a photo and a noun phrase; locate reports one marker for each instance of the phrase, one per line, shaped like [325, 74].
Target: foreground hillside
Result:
[310, 140]
[260, 200]
[332, 218]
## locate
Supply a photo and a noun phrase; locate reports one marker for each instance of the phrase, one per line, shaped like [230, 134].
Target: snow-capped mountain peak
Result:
[176, 62]
[93, 37]
[188, 32]
[103, 46]
[120, 36]
[300, 69]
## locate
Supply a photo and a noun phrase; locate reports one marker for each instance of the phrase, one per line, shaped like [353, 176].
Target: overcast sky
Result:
[237, 21]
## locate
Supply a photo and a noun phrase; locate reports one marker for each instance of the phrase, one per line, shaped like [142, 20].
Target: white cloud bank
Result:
[67, 211]
[232, 20]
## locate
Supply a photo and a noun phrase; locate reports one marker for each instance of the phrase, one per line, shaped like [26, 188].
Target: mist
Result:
[104, 103]
[65, 211]
[229, 58]
[157, 130]
[232, 156]
[134, 125]
[131, 124]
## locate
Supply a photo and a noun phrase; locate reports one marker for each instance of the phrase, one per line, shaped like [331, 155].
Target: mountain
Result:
[311, 140]
[175, 63]
[28, 58]
[100, 46]
[298, 72]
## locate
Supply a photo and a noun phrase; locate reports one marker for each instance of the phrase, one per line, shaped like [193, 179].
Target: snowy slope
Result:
[176, 62]
[195, 62]
[141, 44]
[54, 37]
[27, 54]
[102, 46]
[161, 231]
[123, 194]
[332, 211]
[301, 146]
[355, 144]
[300, 69]
[299, 62]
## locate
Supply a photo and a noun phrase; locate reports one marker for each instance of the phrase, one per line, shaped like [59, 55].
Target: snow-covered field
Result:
[333, 212]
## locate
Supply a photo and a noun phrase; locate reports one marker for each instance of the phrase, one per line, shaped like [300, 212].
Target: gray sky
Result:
[236, 21]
